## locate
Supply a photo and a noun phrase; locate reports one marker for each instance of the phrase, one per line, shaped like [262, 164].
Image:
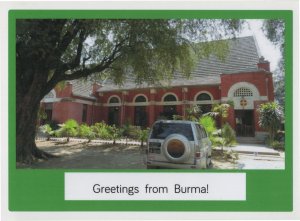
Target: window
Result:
[84, 112]
[162, 130]
[203, 97]
[140, 99]
[243, 92]
[170, 98]
[114, 100]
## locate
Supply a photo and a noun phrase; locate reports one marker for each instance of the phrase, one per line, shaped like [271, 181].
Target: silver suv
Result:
[178, 144]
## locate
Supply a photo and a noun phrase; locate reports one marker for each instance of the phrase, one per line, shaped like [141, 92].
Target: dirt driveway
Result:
[82, 155]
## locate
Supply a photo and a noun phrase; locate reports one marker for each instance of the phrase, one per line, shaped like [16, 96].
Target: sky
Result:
[266, 47]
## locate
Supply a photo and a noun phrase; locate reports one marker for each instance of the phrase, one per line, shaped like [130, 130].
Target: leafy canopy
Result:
[151, 50]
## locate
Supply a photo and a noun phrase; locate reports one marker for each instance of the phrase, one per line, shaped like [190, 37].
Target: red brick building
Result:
[244, 77]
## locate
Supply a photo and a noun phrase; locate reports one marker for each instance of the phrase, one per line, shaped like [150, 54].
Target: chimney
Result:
[96, 86]
[263, 64]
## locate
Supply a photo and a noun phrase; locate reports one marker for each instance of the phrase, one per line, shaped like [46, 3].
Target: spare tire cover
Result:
[176, 148]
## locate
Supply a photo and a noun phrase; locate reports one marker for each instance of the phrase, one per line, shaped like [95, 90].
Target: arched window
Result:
[114, 100]
[170, 98]
[140, 99]
[203, 97]
[243, 92]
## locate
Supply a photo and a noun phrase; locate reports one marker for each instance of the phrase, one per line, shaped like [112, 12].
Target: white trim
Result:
[237, 100]
[205, 102]
[169, 102]
[113, 104]
[238, 85]
[50, 100]
[204, 92]
[138, 96]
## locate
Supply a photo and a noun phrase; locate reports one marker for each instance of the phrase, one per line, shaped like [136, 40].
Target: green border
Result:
[43, 190]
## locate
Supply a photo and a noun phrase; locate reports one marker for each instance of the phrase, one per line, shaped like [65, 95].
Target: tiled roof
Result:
[242, 56]
[82, 88]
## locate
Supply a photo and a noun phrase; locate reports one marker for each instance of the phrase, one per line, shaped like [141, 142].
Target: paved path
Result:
[257, 149]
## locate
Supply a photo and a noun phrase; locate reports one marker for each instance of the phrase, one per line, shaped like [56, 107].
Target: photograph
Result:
[167, 93]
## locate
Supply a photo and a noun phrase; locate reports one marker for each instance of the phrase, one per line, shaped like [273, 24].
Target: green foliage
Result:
[177, 117]
[209, 125]
[41, 114]
[47, 130]
[101, 130]
[231, 155]
[84, 131]
[220, 110]
[274, 30]
[143, 135]
[277, 145]
[228, 134]
[68, 129]
[193, 113]
[114, 133]
[270, 117]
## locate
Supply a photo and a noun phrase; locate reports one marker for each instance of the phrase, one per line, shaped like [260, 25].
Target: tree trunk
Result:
[26, 116]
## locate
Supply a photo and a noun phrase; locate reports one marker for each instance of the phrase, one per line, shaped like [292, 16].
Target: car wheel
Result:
[208, 162]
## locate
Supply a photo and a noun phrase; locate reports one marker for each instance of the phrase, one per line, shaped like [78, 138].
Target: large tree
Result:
[51, 51]
[274, 30]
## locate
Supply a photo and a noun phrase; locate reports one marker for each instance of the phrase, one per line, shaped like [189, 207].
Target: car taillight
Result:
[198, 155]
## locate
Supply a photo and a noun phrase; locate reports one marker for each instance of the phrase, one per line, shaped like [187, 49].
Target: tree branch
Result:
[106, 62]
[68, 38]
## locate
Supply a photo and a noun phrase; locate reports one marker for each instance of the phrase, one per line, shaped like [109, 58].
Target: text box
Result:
[155, 186]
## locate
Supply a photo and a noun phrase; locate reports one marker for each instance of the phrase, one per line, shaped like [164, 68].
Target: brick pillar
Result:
[123, 109]
[151, 114]
[231, 118]
[184, 102]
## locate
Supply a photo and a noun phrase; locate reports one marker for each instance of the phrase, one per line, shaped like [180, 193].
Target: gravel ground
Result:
[83, 155]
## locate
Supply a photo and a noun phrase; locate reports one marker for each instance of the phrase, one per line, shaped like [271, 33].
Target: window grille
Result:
[140, 99]
[243, 92]
[203, 97]
[170, 97]
[114, 100]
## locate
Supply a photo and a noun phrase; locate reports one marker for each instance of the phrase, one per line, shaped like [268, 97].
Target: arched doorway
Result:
[243, 95]
[140, 113]
[114, 110]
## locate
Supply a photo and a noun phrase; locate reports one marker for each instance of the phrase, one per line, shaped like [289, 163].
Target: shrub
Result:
[277, 145]
[228, 134]
[47, 130]
[114, 133]
[143, 135]
[84, 131]
[68, 129]
[209, 125]
[270, 117]
[101, 130]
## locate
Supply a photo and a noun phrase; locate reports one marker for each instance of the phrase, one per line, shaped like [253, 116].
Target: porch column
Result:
[184, 102]
[152, 107]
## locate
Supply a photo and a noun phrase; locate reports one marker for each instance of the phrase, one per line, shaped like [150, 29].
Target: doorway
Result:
[140, 116]
[244, 120]
[113, 116]
[169, 111]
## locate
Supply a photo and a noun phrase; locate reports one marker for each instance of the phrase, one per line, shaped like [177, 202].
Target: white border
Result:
[113, 4]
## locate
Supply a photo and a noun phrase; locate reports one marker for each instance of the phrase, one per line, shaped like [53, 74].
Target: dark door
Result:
[113, 116]
[169, 111]
[140, 116]
[244, 120]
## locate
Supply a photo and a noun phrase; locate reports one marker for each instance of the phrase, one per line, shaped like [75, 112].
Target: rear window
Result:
[162, 130]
